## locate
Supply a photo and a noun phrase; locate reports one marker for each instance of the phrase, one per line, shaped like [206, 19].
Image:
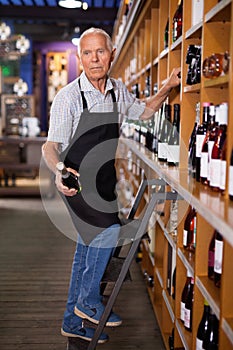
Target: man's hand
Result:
[174, 79]
[69, 192]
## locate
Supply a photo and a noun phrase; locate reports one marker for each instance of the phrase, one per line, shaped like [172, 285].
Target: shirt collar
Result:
[86, 85]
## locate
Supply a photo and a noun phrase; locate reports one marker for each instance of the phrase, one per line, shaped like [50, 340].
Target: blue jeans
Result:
[89, 265]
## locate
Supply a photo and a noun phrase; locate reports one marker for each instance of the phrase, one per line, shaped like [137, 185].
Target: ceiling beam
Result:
[49, 13]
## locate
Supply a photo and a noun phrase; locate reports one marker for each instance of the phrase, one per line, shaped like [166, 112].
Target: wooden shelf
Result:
[143, 42]
[221, 81]
[170, 305]
[217, 210]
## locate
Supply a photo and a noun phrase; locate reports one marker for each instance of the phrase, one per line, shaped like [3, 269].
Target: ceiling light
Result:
[72, 4]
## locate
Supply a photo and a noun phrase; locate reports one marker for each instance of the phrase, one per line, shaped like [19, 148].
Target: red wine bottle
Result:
[68, 178]
[200, 137]
[211, 254]
[184, 294]
[203, 327]
[173, 151]
[210, 341]
[204, 172]
[188, 310]
[218, 256]
[215, 162]
[192, 144]
[177, 22]
[191, 241]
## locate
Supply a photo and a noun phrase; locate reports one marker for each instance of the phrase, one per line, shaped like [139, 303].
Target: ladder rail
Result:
[121, 277]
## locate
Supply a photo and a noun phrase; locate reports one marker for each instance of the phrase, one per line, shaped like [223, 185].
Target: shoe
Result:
[83, 333]
[94, 315]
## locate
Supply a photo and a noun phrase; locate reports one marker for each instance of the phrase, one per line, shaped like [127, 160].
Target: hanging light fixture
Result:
[5, 31]
[73, 4]
[75, 37]
[22, 44]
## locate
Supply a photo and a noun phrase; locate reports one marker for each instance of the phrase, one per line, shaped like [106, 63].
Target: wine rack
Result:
[13, 109]
[141, 58]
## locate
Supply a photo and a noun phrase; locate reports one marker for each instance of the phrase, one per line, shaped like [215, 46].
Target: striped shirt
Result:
[67, 107]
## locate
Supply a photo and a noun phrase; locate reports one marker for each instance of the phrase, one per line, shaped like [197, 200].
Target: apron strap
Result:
[85, 101]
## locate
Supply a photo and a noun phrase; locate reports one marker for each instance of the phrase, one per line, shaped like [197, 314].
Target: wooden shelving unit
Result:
[141, 53]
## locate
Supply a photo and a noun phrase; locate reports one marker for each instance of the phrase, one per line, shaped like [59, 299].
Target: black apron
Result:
[92, 153]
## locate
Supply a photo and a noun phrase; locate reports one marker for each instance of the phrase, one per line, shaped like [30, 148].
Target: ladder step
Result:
[77, 344]
[113, 269]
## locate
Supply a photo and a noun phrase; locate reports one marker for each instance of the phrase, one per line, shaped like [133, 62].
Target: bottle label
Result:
[182, 307]
[204, 164]
[231, 180]
[185, 238]
[210, 147]
[162, 150]
[199, 344]
[215, 172]
[218, 256]
[173, 153]
[187, 318]
[199, 143]
[223, 175]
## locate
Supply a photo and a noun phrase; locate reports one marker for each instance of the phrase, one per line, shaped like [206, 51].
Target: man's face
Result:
[95, 56]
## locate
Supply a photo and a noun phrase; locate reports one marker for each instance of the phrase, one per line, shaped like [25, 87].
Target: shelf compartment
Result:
[210, 293]
[217, 210]
[220, 12]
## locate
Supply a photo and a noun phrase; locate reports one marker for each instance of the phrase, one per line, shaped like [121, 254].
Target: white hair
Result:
[96, 31]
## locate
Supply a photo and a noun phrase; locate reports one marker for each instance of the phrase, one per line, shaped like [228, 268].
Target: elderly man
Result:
[83, 133]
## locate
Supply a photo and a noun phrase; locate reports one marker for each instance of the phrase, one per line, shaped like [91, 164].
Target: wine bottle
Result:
[223, 167]
[149, 134]
[204, 171]
[174, 139]
[188, 309]
[230, 178]
[210, 341]
[192, 144]
[154, 146]
[184, 294]
[211, 253]
[186, 227]
[215, 161]
[212, 135]
[174, 284]
[166, 35]
[191, 240]
[200, 136]
[177, 22]
[203, 326]
[218, 256]
[68, 178]
[189, 231]
[163, 137]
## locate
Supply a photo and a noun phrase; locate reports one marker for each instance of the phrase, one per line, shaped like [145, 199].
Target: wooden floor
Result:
[35, 263]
